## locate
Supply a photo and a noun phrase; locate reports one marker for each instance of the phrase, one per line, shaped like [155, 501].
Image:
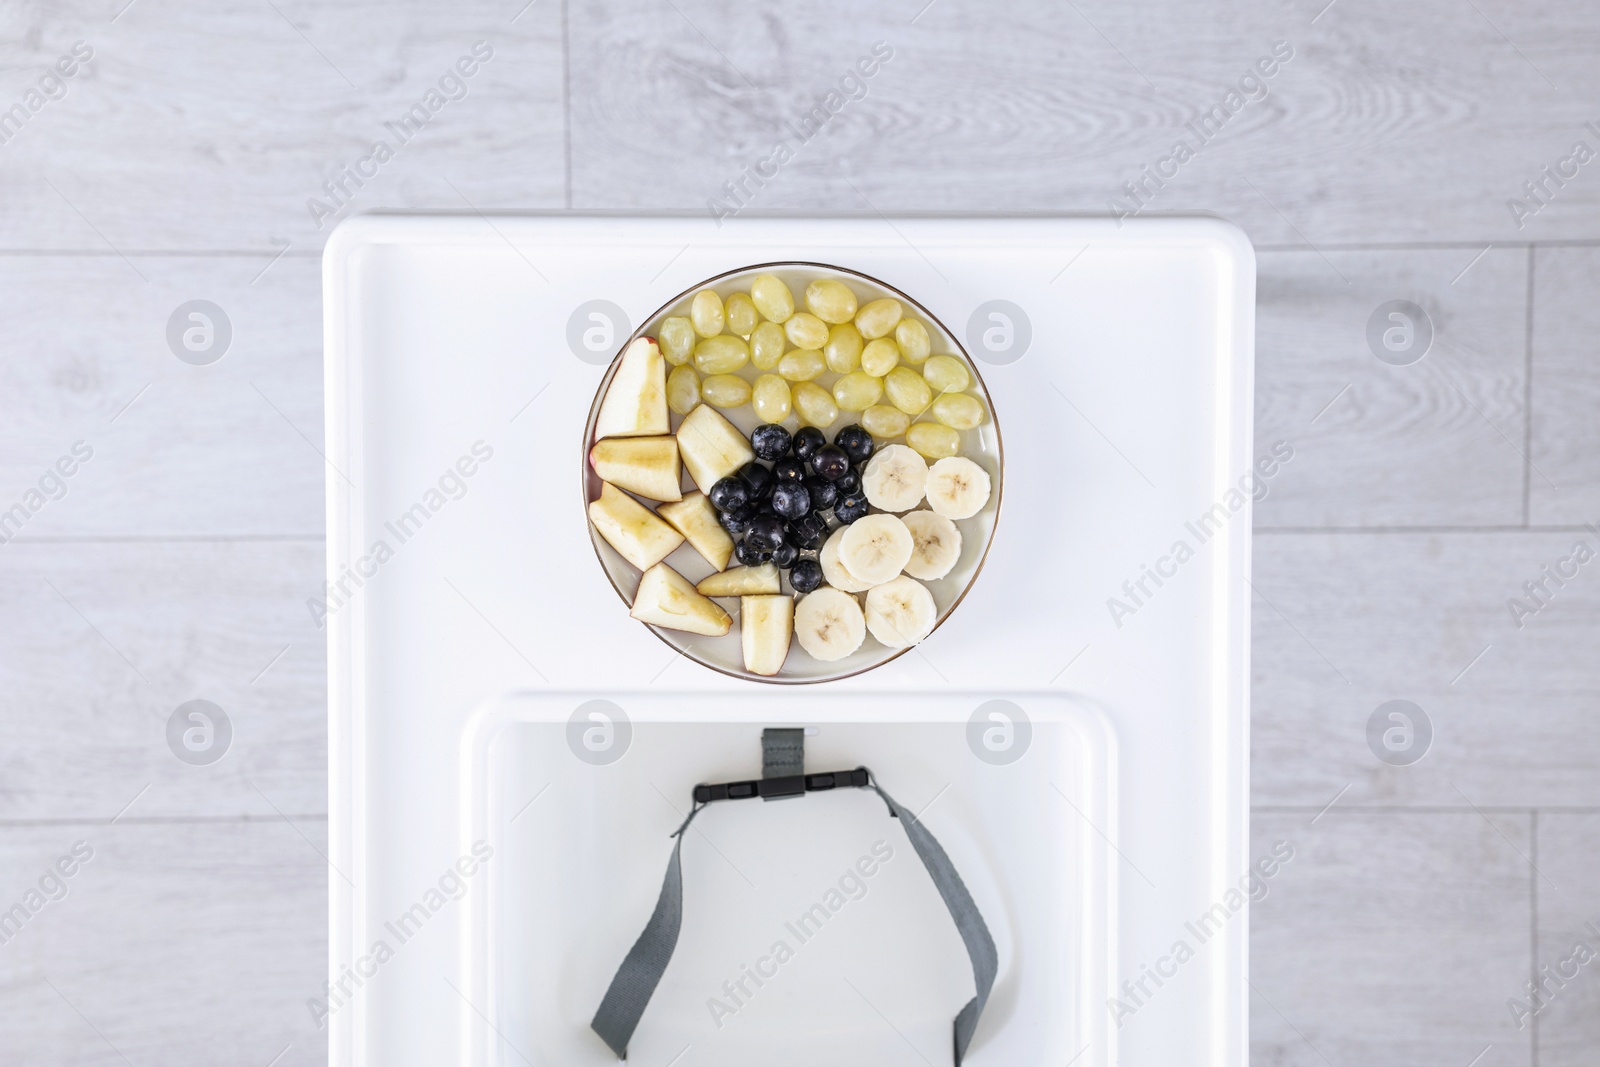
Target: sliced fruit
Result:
[765, 625]
[711, 447]
[937, 545]
[631, 528]
[697, 520]
[644, 465]
[829, 624]
[901, 612]
[876, 549]
[834, 570]
[636, 401]
[743, 581]
[895, 478]
[957, 487]
[665, 598]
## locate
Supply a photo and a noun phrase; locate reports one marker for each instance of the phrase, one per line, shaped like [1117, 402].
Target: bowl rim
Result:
[710, 283]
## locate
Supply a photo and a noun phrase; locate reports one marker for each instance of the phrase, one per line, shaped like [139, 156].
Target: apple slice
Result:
[711, 446]
[742, 581]
[665, 598]
[631, 528]
[636, 401]
[644, 465]
[696, 519]
[765, 625]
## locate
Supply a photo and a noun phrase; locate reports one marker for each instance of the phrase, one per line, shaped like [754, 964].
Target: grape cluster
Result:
[781, 506]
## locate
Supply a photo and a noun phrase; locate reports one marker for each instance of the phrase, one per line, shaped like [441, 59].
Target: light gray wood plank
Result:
[114, 637]
[178, 450]
[1566, 1017]
[1406, 122]
[1438, 442]
[1390, 940]
[212, 126]
[1345, 622]
[181, 944]
[1566, 386]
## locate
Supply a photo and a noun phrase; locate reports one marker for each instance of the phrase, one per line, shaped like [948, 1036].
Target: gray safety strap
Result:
[636, 980]
[641, 971]
[969, 921]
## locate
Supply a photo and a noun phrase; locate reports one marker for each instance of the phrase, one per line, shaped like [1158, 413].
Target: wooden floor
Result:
[1375, 163]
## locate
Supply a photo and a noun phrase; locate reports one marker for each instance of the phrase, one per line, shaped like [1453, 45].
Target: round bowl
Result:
[982, 445]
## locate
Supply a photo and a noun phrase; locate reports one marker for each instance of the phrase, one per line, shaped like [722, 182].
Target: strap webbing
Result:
[640, 973]
[636, 980]
[969, 921]
[783, 752]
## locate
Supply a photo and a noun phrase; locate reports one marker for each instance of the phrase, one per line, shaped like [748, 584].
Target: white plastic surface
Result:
[1127, 419]
[579, 852]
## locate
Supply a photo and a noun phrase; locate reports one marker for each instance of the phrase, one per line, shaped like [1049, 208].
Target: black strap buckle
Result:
[793, 785]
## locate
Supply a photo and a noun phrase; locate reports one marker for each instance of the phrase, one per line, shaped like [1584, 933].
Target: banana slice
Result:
[895, 479]
[937, 545]
[829, 624]
[833, 570]
[957, 488]
[876, 548]
[901, 612]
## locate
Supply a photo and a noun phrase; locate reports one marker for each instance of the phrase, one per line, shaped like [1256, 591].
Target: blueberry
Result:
[785, 555]
[850, 508]
[729, 494]
[736, 522]
[757, 477]
[771, 441]
[830, 462]
[791, 500]
[808, 441]
[823, 493]
[808, 532]
[765, 534]
[749, 555]
[806, 576]
[789, 470]
[849, 485]
[856, 442]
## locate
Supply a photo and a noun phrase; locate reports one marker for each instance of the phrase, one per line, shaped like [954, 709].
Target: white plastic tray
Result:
[558, 929]
[1127, 418]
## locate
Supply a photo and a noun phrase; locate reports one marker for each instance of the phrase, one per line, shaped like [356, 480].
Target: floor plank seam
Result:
[161, 820]
[1527, 394]
[316, 253]
[566, 100]
[164, 539]
[1533, 928]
